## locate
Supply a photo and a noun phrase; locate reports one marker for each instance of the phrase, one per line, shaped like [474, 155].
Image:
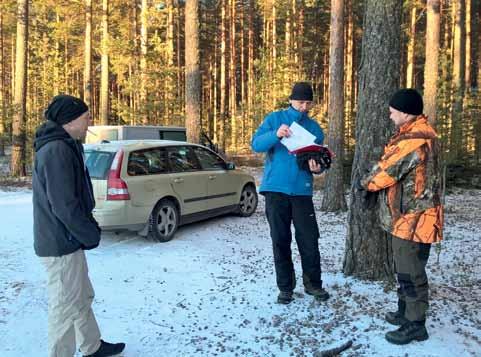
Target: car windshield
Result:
[98, 163]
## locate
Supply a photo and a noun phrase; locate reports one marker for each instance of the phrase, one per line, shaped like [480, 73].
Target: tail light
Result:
[117, 189]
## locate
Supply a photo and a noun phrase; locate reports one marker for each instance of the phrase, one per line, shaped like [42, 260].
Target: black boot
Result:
[410, 331]
[315, 289]
[397, 317]
[285, 297]
[108, 349]
[318, 293]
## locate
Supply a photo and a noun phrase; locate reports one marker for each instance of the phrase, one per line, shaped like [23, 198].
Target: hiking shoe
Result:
[318, 293]
[284, 297]
[108, 349]
[411, 331]
[395, 318]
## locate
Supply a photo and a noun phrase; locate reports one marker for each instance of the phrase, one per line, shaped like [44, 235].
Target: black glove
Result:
[368, 198]
[321, 157]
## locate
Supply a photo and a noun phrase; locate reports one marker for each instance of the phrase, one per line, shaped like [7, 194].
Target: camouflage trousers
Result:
[410, 260]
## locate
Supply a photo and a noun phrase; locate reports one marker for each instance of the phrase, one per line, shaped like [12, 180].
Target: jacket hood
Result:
[419, 125]
[418, 128]
[50, 131]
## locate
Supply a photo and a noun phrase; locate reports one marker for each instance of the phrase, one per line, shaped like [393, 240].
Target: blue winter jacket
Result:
[281, 173]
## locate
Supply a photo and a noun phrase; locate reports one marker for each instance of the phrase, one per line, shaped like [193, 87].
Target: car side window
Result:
[209, 160]
[147, 162]
[182, 158]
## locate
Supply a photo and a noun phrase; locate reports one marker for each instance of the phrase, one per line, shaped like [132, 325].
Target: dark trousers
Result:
[410, 259]
[281, 210]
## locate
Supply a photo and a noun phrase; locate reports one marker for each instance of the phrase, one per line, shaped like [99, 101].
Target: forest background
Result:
[129, 58]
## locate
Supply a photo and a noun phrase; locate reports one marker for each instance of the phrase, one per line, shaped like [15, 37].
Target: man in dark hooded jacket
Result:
[64, 227]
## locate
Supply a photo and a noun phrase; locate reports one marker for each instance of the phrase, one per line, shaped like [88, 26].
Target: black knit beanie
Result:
[302, 91]
[408, 101]
[65, 108]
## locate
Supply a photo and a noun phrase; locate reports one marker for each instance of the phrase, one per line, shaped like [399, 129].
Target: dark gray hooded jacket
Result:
[62, 195]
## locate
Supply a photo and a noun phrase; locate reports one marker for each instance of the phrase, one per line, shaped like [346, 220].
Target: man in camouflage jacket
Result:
[408, 181]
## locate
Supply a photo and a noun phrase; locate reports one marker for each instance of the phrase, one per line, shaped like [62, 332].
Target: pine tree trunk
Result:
[368, 248]
[88, 54]
[168, 110]
[143, 62]
[192, 71]
[243, 78]
[220, 135]
[333, 199]
[18, 164]
[459, 58]
[3, 94]
[56, 70]
[274, 91]
[410, 54]
[232, 77]
[250, 72]
[349, 81]
[104, 82]
[467, 73]
[431, 69]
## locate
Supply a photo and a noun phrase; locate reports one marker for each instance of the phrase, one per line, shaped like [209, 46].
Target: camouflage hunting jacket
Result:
[408, 180]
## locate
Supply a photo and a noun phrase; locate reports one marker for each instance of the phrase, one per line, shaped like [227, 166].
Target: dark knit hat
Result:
[65, 108]
[408, 101]
[302, 91]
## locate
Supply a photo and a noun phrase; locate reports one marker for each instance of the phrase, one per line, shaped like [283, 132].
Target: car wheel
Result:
[248, 201]
[164, 221]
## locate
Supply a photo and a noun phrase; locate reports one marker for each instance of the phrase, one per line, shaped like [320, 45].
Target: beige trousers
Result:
[70, 315]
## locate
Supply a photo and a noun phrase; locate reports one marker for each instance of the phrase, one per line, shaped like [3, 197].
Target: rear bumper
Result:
[116, 216]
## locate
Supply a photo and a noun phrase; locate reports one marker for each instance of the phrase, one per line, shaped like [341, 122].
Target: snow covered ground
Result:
[211, 291]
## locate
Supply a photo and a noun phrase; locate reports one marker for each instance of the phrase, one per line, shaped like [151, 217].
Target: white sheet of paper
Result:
[299, 137]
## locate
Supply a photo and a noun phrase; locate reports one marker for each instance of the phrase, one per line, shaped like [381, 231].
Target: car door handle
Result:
[212, 177]
[178, 180]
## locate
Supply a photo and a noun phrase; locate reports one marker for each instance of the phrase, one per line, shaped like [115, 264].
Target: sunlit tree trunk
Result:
[88, 54]
[18, 164]
[459, 55]
[3, 94]
[143, 62]
[467, 74]
[349, 79]
[294, 42]
[431, 67]
[169, 98]
[300, 36]
[368, 252]
[192, 71]
[250, 70]
[215, 74]
[56, 69]
[243, 78]
[219, 134]
[411, 45]
[104, 81]
[333, 199]
[232, 77]
[274, 55]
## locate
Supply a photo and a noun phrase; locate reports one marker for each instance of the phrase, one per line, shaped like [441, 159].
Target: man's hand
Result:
[368, 198]
[283, 131]
[314, 166]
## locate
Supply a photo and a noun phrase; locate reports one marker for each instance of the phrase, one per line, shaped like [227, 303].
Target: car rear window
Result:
[98, 163]
[147, 162]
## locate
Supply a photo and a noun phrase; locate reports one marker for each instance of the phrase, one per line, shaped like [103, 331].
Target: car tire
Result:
[163, 221]
[248, 201]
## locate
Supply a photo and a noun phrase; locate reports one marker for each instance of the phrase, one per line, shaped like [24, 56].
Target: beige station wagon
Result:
[154, 186]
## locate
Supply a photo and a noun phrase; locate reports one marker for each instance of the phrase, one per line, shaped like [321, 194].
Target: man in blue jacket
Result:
[63, 227]
[288, 195]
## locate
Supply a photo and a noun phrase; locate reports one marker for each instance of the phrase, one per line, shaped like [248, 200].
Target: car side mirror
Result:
[229, 166]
